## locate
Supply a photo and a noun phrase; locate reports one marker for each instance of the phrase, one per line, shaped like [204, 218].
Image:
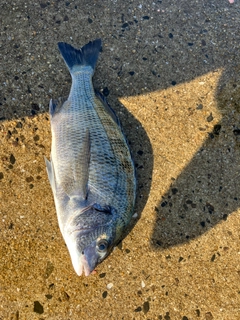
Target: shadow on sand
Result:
[207, 190]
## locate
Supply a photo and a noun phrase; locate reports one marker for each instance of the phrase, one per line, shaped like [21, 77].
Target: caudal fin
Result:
[86, 56]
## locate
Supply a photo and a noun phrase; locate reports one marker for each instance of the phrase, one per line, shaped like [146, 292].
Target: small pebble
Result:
[174, 190]
[125, 25]
[213, 257]
[138, 309]
[35, 106]
[12, 159]
[208, 316]
[102, 275]
[143, 284]
[146, 307]
[236, 132]
[199, 107]
[38, 308]
[19, 125]
[109, 286]
[216, 129]
[210, 118]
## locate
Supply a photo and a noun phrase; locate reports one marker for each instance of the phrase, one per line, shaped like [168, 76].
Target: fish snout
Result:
[86, 261]
[82, 267]
[79, 261]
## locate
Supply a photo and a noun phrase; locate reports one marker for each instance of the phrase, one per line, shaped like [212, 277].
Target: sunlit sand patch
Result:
[177, 120]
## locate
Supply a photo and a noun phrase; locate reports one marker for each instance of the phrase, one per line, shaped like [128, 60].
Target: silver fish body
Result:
[91, 171]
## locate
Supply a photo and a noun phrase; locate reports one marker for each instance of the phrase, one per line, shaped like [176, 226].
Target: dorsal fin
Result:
[108, 108]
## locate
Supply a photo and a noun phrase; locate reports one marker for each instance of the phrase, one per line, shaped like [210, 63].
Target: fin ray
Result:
[108, 108]
[86, 56]
[50, 173]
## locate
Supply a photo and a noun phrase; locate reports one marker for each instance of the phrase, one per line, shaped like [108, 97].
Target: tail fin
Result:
[86, 56]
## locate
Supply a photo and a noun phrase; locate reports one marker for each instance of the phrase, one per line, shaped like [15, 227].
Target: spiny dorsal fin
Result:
[108, 108]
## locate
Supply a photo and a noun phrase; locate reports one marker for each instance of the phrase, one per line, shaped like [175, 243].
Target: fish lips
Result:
[80, 261]
[91, 256]
[81, 266]
[86, 261]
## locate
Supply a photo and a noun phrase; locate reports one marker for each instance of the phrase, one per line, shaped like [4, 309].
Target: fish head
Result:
[91, 238]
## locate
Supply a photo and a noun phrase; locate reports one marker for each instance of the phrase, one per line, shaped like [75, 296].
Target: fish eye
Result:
[102, 245]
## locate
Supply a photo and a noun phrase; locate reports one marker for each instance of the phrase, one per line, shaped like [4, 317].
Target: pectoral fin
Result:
[76, 182]
[51, 175]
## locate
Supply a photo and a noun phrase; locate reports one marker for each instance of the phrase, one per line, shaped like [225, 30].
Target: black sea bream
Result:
[91, 171]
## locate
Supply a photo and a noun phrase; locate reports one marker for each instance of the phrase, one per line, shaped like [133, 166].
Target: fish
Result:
[91, 170]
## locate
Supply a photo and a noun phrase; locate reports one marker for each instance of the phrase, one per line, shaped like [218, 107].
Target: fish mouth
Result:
[79, 260]
[82, 267]
[86, 261]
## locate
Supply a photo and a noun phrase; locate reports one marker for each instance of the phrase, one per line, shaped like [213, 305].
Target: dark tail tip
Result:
[86, 56]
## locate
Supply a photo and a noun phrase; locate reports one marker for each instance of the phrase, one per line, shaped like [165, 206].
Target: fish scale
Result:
[70, 138]
[91, 171]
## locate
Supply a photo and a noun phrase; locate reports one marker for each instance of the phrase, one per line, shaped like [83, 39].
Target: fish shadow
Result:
[142, 155]
[207, 190]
